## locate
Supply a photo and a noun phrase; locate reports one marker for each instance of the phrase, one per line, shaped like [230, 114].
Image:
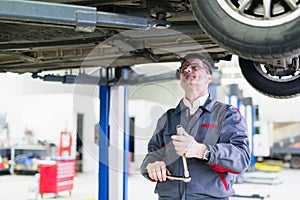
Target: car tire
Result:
[269, 86]
[248, 41]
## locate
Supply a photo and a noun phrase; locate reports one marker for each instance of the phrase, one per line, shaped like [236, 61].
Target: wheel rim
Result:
[262, 70]
[264, 13]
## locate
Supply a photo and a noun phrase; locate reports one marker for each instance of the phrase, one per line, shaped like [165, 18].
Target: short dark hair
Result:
[208, 62]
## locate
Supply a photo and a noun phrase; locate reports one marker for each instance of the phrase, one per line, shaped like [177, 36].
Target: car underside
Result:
[39, 36]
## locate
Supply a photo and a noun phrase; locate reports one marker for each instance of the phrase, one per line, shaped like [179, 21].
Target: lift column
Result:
[114, 137]
[103, 143]
[244, 105]
[116, 143]
[249, 115]
[234, 95]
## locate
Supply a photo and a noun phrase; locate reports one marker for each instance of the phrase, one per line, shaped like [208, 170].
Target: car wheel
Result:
[250, 28]
[259, 76]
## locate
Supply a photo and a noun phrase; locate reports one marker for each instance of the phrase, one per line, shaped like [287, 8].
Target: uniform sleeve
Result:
[232, 152]
[155, 146]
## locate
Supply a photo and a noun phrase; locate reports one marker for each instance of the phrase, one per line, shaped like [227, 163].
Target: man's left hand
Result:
[186, 145]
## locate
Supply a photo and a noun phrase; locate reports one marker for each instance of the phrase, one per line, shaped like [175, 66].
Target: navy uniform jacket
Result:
[223, 129]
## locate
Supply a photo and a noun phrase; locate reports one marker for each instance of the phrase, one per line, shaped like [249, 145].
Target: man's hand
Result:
[186, 145]
[158, 171]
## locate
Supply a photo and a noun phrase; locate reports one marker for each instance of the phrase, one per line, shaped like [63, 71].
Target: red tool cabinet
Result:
[57, 177]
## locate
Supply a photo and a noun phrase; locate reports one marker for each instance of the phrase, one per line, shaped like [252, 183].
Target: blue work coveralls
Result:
[223, 129]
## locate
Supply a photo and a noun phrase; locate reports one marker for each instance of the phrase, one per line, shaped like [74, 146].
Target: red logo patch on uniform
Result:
[209, 125]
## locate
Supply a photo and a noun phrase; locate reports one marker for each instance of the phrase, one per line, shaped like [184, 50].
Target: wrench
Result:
[186, 178]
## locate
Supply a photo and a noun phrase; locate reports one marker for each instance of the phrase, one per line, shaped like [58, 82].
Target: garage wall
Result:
[47, 108]
[44, 113]
[276, 110]
[89, 107]
[146, 113]
[167, 93]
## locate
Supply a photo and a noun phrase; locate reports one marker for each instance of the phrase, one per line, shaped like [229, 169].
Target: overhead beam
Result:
[83, 18]
[117, 76]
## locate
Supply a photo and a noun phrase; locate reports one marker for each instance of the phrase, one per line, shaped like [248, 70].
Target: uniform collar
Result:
[208, 105]
[196, 104]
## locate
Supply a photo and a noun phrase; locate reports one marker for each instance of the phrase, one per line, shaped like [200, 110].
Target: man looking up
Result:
[215, 141]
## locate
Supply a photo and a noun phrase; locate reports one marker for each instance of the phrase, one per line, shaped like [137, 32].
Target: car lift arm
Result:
[83, 18]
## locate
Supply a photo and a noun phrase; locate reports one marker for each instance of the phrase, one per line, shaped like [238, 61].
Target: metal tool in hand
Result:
[186, 177]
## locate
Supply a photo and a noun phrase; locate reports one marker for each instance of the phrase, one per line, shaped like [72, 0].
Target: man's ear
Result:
[209, 78]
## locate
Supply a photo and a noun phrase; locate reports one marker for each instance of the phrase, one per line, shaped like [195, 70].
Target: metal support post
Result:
[103, 143]
[249, 116]
[83, 18]
[126, 138]
[116, 141]
[234, 95]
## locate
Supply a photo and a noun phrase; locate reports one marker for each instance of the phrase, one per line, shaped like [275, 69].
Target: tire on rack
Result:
[277, 88]
[257, 42]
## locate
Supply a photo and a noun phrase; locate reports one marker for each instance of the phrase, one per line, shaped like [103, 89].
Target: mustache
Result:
[188, 75]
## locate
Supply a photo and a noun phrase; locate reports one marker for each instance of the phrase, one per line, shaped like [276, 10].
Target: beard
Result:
[189, 82]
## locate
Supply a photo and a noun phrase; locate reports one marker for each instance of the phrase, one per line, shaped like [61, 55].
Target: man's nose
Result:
[188, 69]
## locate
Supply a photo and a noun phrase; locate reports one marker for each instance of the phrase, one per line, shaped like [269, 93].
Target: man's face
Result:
[193, 74]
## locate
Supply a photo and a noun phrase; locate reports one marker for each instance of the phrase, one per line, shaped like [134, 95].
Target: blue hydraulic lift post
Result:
[103, 143]
[253, 158]
[250, 118]
[126, 139]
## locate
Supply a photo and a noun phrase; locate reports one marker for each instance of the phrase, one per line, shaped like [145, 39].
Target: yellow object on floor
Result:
[267, 167]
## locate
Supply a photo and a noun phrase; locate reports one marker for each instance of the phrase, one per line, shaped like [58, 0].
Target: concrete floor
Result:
[281, 185]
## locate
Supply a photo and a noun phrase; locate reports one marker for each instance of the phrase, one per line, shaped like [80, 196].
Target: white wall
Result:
[47, 108]
[89, 107]
[46, 115]
[146, 114]
[147, 103]
[167, 93]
